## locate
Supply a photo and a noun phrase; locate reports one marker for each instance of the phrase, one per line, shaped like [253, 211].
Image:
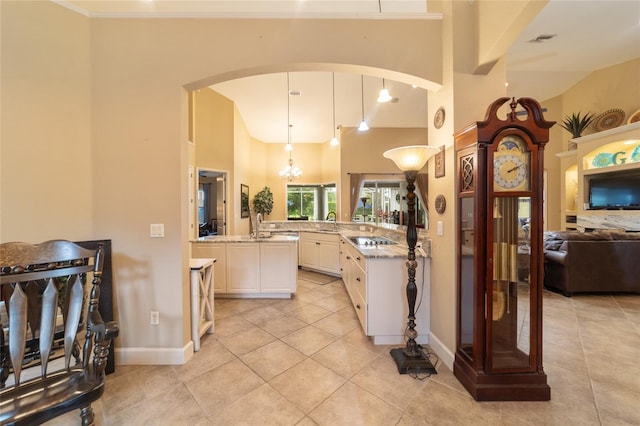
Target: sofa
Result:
[602, 261]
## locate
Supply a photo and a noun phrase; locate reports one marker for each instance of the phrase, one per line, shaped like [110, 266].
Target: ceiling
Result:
[588, 35]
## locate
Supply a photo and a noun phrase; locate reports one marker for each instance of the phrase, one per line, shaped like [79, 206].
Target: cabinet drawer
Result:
[351, 253]
[360, 260]
[359, 280]
[361, 310]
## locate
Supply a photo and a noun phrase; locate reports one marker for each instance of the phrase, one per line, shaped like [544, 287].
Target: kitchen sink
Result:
[371, 241]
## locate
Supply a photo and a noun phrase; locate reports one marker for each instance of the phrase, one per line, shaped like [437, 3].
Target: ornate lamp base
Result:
[417, 365]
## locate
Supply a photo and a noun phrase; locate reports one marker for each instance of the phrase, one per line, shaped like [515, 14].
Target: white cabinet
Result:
[214, 251]
[278, 268]
[354, 277]
[320, 252]
[262, 268]
[377, 288]
[243, 268]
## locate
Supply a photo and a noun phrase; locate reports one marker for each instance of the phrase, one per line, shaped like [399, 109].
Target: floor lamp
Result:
[410, 159]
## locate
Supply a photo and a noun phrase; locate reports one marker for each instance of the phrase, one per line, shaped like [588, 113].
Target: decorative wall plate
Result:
[441, 204]
[438, 118]
[635, 117]
[608, 119]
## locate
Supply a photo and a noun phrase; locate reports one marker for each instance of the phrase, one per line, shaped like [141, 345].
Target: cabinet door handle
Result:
[358, 258]
[317, 243]
[358, 306]
[348, 257]
[357, 278]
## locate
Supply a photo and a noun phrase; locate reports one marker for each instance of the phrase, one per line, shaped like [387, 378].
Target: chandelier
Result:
[290, 172]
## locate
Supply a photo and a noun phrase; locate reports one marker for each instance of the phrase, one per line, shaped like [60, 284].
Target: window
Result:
[385, 202]
[310, 202]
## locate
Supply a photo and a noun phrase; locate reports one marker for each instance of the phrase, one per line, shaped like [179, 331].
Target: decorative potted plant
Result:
[263, 201]
[575, 124]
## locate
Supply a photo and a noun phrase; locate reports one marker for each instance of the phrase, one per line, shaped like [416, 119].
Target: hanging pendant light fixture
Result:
[290, 172]
[384, 95]
[334, 139]
[363, 127]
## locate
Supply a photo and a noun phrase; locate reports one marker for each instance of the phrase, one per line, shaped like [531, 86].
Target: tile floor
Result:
[306, 361]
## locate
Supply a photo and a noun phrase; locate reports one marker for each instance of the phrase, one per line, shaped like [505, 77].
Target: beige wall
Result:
[46, 178]
[617, 86]
[213, 130]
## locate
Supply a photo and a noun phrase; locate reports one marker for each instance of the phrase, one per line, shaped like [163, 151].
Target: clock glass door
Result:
[509, 325]
[467, 282]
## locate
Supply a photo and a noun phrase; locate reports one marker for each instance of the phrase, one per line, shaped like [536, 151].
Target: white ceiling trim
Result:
[265, 9]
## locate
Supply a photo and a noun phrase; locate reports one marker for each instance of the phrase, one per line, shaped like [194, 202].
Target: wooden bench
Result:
[51, 315]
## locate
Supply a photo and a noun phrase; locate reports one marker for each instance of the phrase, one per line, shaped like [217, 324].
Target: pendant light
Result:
[363, 127]
[334, 139]
[290, 172]
[384, 95]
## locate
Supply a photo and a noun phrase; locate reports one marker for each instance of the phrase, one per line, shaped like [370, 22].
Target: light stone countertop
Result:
[398, 250]
[273, 238]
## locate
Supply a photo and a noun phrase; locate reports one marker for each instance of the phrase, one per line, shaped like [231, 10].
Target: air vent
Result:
[542, 38]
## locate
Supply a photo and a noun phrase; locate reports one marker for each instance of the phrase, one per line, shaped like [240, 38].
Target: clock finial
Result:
[513, 105]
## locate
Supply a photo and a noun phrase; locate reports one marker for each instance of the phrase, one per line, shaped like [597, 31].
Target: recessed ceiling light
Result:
[295, 92]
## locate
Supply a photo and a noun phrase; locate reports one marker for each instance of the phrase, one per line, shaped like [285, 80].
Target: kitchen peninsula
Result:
[251, 267]
[371, 259]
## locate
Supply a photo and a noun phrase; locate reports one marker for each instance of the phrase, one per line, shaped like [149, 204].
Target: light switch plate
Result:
[157, 230]
[440, 228]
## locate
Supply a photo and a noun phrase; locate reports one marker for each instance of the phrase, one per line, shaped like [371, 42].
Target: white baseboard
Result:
[154, 356]
[445, 355]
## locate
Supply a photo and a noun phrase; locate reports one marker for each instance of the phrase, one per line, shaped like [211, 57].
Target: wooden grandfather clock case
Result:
[500, 259]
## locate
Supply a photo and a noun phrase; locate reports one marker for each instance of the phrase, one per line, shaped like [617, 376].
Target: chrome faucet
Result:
[332, 213]
[257, 225]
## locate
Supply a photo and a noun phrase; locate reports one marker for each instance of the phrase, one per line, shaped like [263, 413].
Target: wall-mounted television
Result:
[615, 191]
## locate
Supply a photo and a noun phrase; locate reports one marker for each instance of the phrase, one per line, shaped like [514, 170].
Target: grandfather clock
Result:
[500, 260]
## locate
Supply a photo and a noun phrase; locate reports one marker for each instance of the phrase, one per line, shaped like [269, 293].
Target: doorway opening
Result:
[212, 202]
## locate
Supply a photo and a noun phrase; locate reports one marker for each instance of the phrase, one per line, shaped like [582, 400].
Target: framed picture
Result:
[244, 201]
[439, 157]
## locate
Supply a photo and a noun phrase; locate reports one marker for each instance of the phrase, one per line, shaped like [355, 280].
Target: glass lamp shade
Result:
[411, 158]
[363, 127]
[334, 141]
[384, 96]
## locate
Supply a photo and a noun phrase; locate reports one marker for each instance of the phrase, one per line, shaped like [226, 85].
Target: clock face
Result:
[511, 165]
